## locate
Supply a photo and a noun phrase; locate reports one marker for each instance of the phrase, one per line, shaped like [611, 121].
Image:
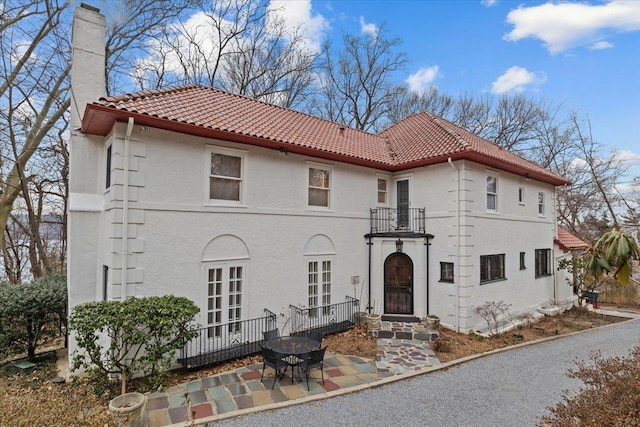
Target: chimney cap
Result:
[89, 7]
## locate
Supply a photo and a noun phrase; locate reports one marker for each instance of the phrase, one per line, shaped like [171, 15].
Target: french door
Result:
[225, 302]
[402, 202]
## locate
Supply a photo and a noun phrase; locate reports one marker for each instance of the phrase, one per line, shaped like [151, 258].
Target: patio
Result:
[240, 391]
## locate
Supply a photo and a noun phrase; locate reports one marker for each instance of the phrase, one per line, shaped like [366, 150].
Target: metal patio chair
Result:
[312, 360]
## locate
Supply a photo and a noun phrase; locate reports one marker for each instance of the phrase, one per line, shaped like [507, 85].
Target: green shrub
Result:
[136, 336]
[610, 395]
[29, 313]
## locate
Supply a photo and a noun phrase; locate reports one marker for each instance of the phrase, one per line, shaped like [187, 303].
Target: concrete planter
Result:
[374, 322]
[431, 322]
[126, 409]
[360, 318]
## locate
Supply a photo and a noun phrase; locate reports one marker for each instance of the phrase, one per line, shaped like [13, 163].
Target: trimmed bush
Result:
[31, 313]
[135, 336]
[610, 395]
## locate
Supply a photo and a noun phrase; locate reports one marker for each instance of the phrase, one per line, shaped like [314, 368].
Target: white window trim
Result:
[328, 168]
[319, 259]
[224, 265]
[490, 173]
[211, 149]
[521, 201]
[387, 178]
[544, 204]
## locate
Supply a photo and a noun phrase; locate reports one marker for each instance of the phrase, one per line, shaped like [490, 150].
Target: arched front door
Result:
[398, 284]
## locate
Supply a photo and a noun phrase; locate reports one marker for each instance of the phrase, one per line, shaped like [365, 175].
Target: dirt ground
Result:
[33, 400]
[452, 345]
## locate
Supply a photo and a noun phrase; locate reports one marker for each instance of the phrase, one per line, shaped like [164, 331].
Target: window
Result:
[225, 176]
[541, 203]
[522, 264]
[521, 195]
[108, 171]
[492, 193]
[105, 281]
[319, 285]
[491, 268]
[224, 300]
[446, 272]
[318, 187]
[382, 191]
[543, 262]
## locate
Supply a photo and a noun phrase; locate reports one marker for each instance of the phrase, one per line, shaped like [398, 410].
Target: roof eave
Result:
[99, 120]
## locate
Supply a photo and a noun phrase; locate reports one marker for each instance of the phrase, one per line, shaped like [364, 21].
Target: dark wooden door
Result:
[398, 284]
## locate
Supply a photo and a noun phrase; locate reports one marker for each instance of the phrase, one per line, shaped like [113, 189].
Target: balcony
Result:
[391, 220]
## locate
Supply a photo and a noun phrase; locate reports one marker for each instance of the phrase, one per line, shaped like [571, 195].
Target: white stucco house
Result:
[240, 206]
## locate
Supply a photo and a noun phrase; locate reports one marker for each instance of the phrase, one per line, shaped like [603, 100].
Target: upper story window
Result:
[522, 263]
[226, 175]
[521, 195]
[382, 191]
[543, 262]
[540, 203]
[319, 189]
[492, 193]
[108, 171]
[491, 268]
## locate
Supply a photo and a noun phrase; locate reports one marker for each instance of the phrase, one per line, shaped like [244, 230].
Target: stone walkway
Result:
[240, 391]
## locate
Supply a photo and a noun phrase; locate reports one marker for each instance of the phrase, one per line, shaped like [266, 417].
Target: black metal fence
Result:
[329, 319]
[216, 344]
[391, 220]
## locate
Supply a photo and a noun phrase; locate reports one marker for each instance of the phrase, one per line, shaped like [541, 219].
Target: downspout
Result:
[125, 211]
[457, 266]
[369, 291]
[427, 244]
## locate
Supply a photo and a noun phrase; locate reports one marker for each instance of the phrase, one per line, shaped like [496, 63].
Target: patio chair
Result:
[272, 360]
[317, 336]
[269, 335]
[313, 360]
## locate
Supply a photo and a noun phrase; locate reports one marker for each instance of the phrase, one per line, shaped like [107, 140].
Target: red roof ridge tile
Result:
[465, 145]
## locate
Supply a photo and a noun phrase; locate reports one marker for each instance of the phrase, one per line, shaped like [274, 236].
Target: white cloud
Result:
[489, 3]
[516, 78]
[421, 80]
[368, 28]
[601, 45]
[562, 26]
[629, 158]
[298, 14]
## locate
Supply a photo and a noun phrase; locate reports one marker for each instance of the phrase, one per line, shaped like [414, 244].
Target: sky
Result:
[584, 55]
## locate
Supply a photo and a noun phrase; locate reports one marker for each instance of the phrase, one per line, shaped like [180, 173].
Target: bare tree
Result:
[35, 98]
[357, 86]
[241, 46]
[271, 64]
[405, 103]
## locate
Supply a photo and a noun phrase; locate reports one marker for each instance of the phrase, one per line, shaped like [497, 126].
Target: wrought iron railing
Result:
[392, 220]
[329, 319]
[219, 343]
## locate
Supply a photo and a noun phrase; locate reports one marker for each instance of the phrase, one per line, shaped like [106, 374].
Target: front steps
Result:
[404, 331]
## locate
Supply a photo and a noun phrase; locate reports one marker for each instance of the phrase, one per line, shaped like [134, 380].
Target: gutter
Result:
[125, 211]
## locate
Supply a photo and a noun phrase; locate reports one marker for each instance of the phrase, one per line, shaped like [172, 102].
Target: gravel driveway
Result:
[511, 388]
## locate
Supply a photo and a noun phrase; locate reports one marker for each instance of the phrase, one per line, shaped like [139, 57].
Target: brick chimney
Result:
[87, 62]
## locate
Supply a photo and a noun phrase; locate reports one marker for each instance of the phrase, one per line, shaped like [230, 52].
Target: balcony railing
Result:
[391, 220]
[329, 319]
[219, 343]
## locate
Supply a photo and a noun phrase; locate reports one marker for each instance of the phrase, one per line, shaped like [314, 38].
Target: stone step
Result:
[405, 331]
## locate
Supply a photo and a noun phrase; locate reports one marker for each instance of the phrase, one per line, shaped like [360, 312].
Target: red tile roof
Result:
[418, 140]
[567, 241]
